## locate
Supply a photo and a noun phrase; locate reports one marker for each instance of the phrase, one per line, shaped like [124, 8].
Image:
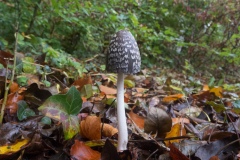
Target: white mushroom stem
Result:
[121, 116]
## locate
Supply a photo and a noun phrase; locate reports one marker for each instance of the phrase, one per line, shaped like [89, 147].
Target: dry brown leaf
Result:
[79, 151]
[14, 87]
[175, 154]
[90, 128]
[180, 120]
[172, 98]
[214, 158]
[157, 121]
[12, 100]
[138, 120]
[108, 130]
[177, 130]
[205, 87]
[86, 79]
[141, 92]
[107, 90]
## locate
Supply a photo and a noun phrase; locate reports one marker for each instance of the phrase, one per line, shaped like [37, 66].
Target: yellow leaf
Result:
[14, 147]
[177, 130]
[205, 87]
[172, 98]
[217, 91]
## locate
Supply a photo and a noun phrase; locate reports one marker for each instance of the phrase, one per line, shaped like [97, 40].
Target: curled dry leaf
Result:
[79, 151]
[157, 121]
[108, 130]
[91, 128]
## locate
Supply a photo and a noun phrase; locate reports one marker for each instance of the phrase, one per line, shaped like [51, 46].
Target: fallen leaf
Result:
[191, 111]
[214, 158]
[107, 90]
[157, 121]
[12, 100]
[82, 81]
[205, 87]
[64, 108]
[177, 130]
[90, 128]
[217, 91]
[14, 87]
[154, 102]
[79, 151]
[109, 152]
[175, 154]
[171, 98]
[180, 120]
[108, 130]
[14, 147]
[138, 120]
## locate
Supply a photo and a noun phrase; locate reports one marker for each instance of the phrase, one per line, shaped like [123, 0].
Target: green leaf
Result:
[129, 83]
[211, 82]
[70, 126]
[28, 66]
[217, 107]
[87, 91]
[236, 106]
[64, 108]
[134, 19]
[23, 111]
[22, 80]
[46, 120]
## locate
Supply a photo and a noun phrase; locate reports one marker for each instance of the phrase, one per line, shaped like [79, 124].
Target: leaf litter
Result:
[170, 117]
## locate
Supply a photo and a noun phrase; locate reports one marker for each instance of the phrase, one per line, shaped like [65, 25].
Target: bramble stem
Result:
[12, 77]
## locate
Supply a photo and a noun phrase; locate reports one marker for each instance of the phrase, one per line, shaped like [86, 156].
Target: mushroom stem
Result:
[121, 116]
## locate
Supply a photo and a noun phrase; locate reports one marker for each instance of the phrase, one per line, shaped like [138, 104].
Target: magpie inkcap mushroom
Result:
[123, 58]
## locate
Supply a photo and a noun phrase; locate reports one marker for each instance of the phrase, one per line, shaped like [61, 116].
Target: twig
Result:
[151, 154]
[237, 140]
[88, 60]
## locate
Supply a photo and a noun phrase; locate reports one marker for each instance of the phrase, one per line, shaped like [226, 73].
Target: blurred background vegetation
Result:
[197, 36]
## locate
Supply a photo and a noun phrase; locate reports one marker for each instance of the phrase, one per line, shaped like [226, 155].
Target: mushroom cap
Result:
[123, 54]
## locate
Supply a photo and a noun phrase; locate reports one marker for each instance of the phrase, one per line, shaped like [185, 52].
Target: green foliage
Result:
[236, 106]
[64, 108]
[28, 65]
[24, 111]
[22, 80]
[46, 120]
[187, 35]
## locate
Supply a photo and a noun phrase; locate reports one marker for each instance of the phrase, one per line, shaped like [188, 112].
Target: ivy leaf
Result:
[64, 108]
[23, 111]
